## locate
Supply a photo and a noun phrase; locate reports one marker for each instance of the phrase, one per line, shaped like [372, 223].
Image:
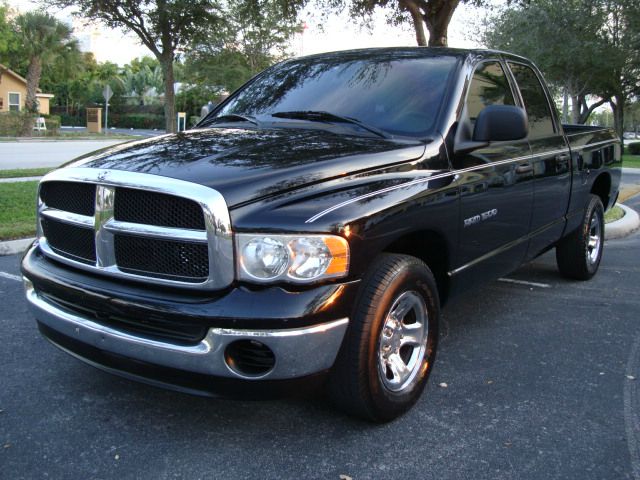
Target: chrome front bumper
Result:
[298, 351]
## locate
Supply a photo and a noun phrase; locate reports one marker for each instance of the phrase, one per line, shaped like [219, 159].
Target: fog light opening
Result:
[249, 358]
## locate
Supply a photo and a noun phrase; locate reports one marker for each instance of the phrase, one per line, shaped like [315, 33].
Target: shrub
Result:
[70, 120]
[53, 124]
[11, 123]
[136, 120]
[634, 148]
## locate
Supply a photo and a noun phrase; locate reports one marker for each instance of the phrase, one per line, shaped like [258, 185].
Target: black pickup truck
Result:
[308, 230]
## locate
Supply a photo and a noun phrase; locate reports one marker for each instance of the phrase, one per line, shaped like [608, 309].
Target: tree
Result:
[7, 37]
[42, 38]
[165, 27]
[586, 48]
[434, 15]
[574, 26]
[257, 35]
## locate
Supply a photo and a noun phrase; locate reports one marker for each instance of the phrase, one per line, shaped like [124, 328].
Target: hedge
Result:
[11, 124]
[634, 148]
[136, 120]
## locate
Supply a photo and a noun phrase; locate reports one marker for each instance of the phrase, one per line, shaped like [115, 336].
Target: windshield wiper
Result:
[322, 116]
[230, 118]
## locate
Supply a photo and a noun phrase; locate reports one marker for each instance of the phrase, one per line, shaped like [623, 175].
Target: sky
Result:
[339, 33]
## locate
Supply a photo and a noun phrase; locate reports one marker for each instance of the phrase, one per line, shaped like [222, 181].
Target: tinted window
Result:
[535, 101]
[399, 94]
[489, 86]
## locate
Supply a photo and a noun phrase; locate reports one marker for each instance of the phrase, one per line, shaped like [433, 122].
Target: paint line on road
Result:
[11, 276]
[523, 282]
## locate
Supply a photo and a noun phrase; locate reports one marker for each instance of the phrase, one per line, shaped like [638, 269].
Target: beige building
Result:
[13, 93]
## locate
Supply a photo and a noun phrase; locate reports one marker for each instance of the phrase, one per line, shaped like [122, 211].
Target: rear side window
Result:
[535, 101]
[489, 86]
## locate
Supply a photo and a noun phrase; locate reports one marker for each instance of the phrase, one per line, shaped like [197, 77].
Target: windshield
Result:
[398, 93]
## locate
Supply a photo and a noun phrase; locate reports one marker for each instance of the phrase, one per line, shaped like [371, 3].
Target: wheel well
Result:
[431, 248]
[602, 187]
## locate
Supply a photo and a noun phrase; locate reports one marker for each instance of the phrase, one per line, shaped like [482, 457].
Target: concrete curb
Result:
[19, 179]
[623, 227]
[15, 246]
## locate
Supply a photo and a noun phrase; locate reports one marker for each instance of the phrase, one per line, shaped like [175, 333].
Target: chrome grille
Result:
[141, 227]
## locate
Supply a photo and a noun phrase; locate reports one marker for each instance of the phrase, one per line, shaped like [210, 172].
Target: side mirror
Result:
[499, 123]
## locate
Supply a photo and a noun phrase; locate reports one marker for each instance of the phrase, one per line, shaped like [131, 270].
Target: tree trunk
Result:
[418, 21]
[575, 109]
[618, 114]
[34, 72]
[565, 104]
[169, 95]
[437, 18]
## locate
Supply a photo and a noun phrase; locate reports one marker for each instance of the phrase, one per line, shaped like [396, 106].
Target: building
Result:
[13, 93]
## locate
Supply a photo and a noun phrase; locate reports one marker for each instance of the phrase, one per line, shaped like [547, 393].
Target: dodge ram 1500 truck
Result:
[309, 228]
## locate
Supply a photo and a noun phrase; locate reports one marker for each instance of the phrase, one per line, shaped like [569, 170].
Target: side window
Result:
[535, 101]
[489, 86]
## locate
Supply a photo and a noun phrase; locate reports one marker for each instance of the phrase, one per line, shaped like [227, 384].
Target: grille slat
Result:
[152, 208]
[70, 240]
[162, 258]
[72, 197]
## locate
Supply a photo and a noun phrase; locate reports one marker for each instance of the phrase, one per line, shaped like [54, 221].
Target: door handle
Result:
[562, 163]
[524, 168]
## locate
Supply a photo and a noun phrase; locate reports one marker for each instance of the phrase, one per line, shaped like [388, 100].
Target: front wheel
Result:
[578, 255]
[391, 342]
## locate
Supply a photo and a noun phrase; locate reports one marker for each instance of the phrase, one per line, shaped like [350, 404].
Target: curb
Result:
[15, 246]
[624, 226]
[19, 179]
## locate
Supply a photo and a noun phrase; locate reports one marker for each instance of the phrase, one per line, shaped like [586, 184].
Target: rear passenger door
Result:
[550, 161]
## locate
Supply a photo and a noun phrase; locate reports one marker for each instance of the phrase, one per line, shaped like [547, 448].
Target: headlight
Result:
[293, 258]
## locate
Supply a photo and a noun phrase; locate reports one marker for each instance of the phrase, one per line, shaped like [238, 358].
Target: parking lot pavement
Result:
[541, 383]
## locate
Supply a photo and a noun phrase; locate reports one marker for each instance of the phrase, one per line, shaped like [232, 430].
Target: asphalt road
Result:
[46, 153]
[542, 383]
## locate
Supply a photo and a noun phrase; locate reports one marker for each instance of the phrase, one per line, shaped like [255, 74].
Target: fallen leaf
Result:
[345, 477]
[630, 377]
[443, 385]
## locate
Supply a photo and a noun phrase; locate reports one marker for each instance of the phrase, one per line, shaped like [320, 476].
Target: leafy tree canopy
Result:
[165, 27]
[588, 48]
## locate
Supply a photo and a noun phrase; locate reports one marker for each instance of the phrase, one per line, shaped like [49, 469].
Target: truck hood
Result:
[246, 165]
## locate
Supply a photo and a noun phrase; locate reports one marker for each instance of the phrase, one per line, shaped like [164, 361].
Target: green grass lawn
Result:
[24, 172]
[17, 210]
[632, 161]
[615, 213]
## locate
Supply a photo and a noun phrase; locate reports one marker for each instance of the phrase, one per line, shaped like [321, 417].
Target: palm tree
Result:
[42, 39]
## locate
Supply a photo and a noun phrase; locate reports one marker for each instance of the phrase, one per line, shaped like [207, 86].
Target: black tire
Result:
[356, 384]
[578, 255]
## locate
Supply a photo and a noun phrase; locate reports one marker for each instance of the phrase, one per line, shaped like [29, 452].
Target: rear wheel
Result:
[578, 255]
[390, 346]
